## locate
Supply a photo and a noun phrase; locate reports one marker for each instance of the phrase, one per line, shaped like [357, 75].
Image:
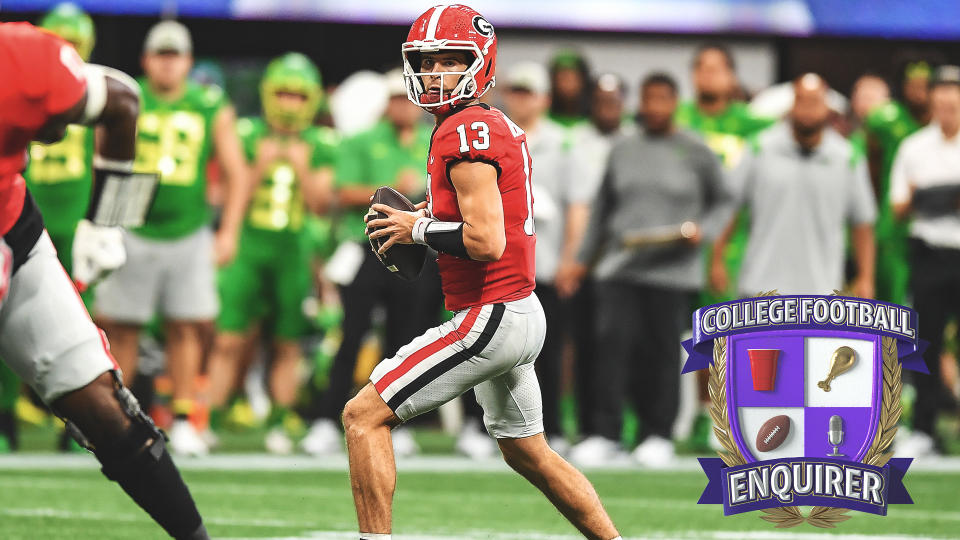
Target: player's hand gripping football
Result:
[398, 225]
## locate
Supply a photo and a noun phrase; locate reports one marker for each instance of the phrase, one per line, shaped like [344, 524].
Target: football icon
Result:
[773, 432]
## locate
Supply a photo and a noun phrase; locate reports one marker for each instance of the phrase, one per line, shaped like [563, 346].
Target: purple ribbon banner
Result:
[802, 481]
[806, 312]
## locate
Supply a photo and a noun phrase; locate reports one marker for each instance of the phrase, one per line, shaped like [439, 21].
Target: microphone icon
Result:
[835, 435]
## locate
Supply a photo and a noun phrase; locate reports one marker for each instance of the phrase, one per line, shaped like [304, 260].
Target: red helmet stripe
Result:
[434, 19]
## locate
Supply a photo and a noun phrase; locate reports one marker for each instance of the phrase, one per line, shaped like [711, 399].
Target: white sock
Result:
[374, 536]
[618, 538]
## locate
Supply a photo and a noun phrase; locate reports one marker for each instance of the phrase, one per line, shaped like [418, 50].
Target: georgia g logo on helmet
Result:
[482, 26]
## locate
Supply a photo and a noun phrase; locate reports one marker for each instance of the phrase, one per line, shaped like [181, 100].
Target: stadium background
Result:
[247, 495]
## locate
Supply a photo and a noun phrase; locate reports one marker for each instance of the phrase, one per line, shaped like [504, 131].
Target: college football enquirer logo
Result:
[805, 394]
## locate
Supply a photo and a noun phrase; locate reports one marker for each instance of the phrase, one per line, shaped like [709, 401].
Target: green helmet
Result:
[296, 74]
[71, 23]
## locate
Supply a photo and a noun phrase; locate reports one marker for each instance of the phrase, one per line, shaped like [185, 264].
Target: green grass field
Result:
[59, 497]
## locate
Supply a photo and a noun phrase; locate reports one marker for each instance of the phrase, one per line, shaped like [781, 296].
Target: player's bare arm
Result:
[482, 233]
[482, 209]
[236, 179]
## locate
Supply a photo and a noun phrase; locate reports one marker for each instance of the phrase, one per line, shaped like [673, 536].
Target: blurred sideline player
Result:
[292, 163]
[886, 127]
[479, 217]
[562, 207]
[59, 177]
[46, 87]
[390, 153]
[170, 260]
[725, 124]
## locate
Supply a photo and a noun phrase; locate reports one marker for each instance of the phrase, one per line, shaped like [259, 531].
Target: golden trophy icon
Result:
[842, 360]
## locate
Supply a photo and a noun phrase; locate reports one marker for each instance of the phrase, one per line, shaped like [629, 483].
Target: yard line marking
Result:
[431, 463]
[59, 513]
[243, 490]
[657, 535]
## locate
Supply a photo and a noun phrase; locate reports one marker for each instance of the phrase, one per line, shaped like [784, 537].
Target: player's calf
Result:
[566, 487]
[107, 419]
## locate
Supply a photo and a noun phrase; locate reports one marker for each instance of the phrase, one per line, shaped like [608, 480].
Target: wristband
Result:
[445, 237]
[419, 229]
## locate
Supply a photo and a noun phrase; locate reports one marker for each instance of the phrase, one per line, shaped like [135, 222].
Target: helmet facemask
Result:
[465, 89]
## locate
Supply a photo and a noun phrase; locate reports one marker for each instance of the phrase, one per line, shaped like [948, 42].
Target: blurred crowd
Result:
[251, 292]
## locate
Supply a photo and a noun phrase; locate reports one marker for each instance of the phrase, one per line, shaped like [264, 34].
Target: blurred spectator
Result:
[570, 86]
[171, 259]
[560, 201]
[592, 143]
[802, 183]
[392, 153]
[869, 92]
[886, 126]
[725, 124]
[292, 164]
[661, 195]
[925, 187]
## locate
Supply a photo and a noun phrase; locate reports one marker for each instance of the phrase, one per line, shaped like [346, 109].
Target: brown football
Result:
[404, 260]
[773, 432]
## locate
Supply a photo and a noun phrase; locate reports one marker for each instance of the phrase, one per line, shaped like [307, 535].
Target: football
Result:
[404, 260]
[773, 432]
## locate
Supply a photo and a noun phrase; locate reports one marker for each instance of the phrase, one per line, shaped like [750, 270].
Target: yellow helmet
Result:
[296, 74]
[71, 23]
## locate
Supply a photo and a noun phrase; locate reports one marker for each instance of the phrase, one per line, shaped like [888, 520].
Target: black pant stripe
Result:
[452, 361]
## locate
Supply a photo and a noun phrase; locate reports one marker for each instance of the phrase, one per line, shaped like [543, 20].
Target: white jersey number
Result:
[482, 142]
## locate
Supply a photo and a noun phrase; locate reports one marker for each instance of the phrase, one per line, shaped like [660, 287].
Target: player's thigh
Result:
[511, 401]
[129, 293]
[48, 337]
[189, 289]
[240, 288]
[443, 363]
[291, 286]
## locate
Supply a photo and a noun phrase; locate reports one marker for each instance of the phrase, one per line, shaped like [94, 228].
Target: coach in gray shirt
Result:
[660, 196]
[804, 184]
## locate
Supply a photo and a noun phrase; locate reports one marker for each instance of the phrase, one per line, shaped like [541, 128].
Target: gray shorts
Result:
[491, 348]
[173, 278]
[46, 335]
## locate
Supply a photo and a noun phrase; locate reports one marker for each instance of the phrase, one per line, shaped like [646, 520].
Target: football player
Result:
[59, 177]
[46, 335]
[479, 217]
[292, 163]
[171, 263]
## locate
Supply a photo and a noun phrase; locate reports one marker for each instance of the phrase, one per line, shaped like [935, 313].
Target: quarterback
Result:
[478, 217]
[46, 336]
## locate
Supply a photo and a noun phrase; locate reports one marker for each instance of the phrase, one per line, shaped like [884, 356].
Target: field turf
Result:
[252, 496]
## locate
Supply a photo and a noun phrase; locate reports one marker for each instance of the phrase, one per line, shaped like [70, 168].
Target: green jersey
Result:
[725, 133]
[175, 139]
[372, 159]
[889, 125]
[275, 216]
[60, 176]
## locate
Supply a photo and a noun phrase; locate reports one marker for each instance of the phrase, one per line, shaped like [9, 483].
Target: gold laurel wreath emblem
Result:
[877, 455]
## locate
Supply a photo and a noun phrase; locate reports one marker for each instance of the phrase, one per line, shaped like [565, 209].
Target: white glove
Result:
[97, 251]
[6, 269]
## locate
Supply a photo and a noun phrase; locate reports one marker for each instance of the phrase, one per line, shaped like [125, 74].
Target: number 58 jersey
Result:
[483, 133]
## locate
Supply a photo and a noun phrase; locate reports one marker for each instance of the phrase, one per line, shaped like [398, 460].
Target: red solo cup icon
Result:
[763, 366]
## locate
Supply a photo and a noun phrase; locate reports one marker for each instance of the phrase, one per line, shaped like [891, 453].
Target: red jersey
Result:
[41, 77]
[483, 133]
